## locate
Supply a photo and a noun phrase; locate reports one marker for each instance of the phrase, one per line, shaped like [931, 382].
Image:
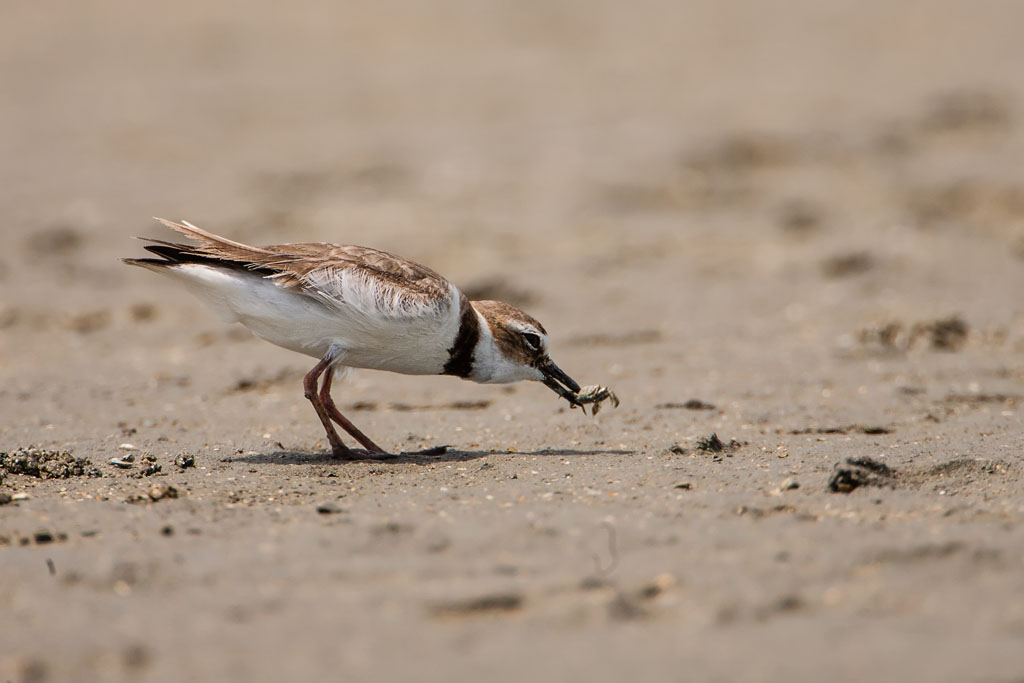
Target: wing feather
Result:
[341, 275]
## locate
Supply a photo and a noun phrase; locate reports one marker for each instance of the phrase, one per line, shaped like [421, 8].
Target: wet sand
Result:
[801, 231]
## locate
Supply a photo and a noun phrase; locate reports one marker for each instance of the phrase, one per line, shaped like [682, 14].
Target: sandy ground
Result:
[807, 217]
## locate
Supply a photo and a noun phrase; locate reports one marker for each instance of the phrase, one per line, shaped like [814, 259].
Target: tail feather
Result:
[151, 263]
[170, 254]
[174, 254]
[216, 245]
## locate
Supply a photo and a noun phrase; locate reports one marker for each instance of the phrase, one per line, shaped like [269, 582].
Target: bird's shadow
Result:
[414, 458]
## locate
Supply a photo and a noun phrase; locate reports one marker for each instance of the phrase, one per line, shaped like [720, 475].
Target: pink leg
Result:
[335, 414]
[309, 382]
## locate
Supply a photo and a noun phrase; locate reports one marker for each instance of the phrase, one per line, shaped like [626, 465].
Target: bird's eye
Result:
[533, 340]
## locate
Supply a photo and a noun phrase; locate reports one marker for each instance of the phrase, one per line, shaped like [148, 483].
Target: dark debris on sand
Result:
[712, 444]
[185, 460]
[692, 404]
[709, 444]
[46, 464]
[859, 472]
[482, 605]
[942, 334]
[148, 467]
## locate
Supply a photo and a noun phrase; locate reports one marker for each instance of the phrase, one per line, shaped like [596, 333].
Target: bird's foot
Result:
[364, 454]
[346, 453]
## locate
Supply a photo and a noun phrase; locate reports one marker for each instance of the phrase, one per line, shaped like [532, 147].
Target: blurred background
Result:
[686, 172]
[808, 215]
[696, 193]
[484, 130]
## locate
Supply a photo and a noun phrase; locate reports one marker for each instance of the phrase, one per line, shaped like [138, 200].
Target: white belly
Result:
[367, 338]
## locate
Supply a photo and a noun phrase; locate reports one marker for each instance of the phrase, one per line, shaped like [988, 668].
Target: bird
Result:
[357, 307]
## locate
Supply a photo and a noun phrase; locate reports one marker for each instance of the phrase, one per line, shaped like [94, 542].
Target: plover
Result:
[359, 307]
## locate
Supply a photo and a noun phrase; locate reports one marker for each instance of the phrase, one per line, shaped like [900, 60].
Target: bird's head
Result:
[513, 346]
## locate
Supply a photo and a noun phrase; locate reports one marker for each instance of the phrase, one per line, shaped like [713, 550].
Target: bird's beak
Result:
[556, 380]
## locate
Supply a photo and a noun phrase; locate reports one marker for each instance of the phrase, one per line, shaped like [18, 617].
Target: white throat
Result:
[491, 366]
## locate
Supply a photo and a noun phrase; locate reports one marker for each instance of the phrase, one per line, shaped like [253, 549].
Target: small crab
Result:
[595, 394]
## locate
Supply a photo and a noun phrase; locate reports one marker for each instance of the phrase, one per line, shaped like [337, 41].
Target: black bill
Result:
[559, 382]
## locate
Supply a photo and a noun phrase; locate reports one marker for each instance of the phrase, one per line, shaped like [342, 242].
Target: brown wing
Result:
[312, 266]
[300, 264]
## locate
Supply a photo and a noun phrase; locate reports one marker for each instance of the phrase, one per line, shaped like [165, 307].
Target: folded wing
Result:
[372, 281]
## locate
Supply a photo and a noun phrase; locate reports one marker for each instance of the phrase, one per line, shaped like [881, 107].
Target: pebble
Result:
[118, 462]
[5, 498]
[328, 509]
[153, 494]
[789, 483]
[161, 491]
[185, 460]
[20, 496]
[149, 469]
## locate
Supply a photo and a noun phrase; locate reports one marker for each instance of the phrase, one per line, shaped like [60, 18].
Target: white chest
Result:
[370, 331]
